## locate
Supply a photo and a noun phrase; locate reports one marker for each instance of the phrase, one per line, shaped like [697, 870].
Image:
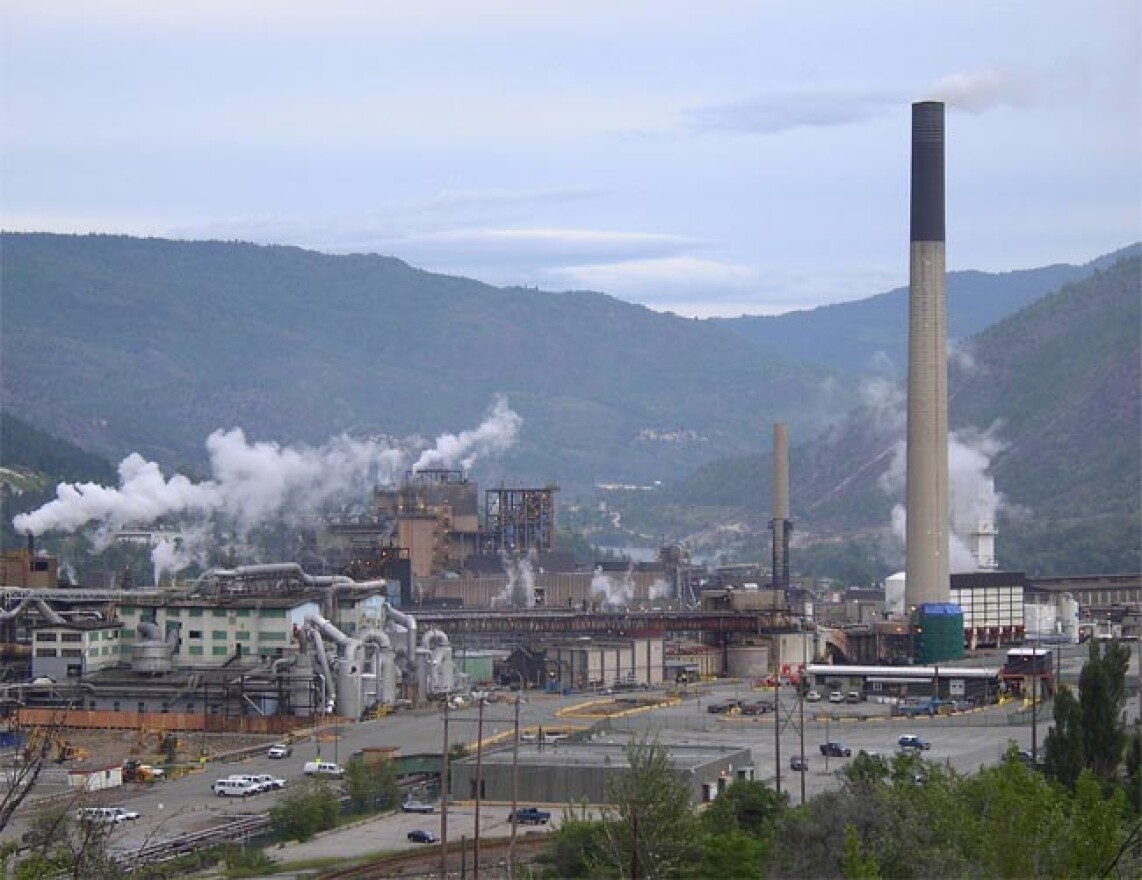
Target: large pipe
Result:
[409, 623]
[926, 539]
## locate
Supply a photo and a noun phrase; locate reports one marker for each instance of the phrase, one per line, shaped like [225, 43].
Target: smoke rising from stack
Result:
[256, 483]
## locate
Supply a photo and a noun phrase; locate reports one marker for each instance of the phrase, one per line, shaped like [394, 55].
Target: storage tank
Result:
[747, 661]
[894, 595]
[151, 654]
[938, 629]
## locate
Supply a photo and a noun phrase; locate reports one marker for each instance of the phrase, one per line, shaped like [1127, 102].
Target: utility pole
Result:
[444, 786]
[479, 785]
[1034, 707]
[515, 791]
[777, 711]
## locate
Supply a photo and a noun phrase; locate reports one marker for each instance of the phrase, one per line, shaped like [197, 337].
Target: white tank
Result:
[894, 595]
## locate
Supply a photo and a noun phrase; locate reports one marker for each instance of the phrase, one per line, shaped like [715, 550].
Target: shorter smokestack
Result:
[780, 524]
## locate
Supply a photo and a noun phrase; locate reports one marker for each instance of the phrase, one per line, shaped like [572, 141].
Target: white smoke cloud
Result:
[252, 484]
[613, 594]
[497, 433]
[972, 496]
[519, 591]
[982, 90]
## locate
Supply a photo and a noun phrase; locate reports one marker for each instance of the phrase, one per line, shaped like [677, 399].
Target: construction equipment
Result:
[136, 771]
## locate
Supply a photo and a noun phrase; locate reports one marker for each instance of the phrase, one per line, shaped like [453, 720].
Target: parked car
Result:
[105, 815]
[419, 835]
[813, 696]
[280, 750]
[323, 768]
[234, 788]
[417, 807]
[913, 742]
[835, 750]
[836, 697]
[265, 781]
[853, 697]
[758, 708]
[799, 763]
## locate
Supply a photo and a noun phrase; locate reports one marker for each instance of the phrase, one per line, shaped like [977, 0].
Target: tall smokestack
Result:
[926, 540]
[781, 525]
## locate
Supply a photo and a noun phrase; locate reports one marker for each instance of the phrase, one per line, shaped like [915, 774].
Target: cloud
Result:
[775, 113]
[535, 246]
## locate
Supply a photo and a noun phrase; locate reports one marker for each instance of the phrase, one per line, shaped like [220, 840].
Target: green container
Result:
[938, 633]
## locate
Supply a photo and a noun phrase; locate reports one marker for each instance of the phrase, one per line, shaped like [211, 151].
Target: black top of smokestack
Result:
[928, 171]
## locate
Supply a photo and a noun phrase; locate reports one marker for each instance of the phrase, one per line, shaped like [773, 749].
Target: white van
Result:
[234, 788]
[324, 768]
[105, 815]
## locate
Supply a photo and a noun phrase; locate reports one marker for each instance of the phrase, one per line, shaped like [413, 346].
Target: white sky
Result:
[706, 158]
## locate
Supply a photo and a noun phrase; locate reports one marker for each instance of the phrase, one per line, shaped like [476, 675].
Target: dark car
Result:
[419, 835]
[758, 708]
[915, 743]
[799, 763]
[835, 750]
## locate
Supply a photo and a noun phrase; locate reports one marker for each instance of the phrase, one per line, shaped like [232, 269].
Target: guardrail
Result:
[239, 828]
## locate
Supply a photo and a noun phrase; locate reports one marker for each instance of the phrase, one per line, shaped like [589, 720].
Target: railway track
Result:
[425, 863]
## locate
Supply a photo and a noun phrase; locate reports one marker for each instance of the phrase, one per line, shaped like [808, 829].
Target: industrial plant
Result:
[433, 591]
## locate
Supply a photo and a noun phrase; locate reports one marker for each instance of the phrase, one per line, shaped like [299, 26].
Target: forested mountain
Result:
[1048, 402]
[846, 336]
[119, 344]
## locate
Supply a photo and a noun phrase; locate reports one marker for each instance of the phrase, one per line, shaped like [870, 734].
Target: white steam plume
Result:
[982, 90]
[614, 595]
[971, 490]
[495, 434]
[252, 483]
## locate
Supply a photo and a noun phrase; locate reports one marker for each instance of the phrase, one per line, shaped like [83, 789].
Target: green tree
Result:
[372, 785]
[855, 866]
[747, 806]
[1102, 694]
[651, 831]
[575, 848]
[1063, 753]
[305, 810]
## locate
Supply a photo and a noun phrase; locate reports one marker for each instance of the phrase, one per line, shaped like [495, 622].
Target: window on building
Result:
[71, 652]
[273, 613]
[115, 706]
[142, 707]
[127, 610]
[219, 635]
[45, 652]
[71, 637]
[218, 612]
[196, 612]
[243, 612]
[243, 635]
[218, 650]
[196, 634]
[46, 637]
[196, 650]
